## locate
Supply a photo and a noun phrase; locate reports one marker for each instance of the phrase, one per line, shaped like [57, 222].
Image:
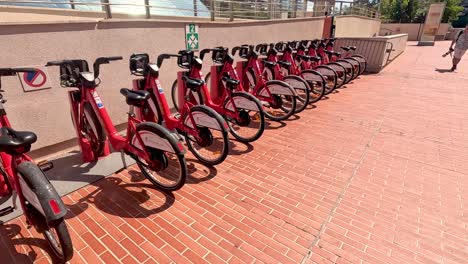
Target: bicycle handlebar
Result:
[103, 60]
[164, 56]
[13, 71]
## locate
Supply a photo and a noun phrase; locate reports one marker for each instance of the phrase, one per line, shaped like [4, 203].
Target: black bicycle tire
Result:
[330, 89]
[59, 224]
[261, 113]
[164, 133]
[220, 122]
[312, 99]
[305, 101]
[293, 107]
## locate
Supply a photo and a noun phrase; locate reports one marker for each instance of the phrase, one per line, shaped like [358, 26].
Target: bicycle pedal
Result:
[45, 165]
[6, 211]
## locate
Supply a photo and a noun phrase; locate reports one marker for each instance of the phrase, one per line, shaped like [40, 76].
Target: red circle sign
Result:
[35, 79]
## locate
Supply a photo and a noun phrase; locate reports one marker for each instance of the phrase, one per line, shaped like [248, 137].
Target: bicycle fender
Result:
[243, 102]
[207, 117]
[38, 190]
[296, 82]
[312, 76]
[326, 70]
[156, 141]
[278, 87]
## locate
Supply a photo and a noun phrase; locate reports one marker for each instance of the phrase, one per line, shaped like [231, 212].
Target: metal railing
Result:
[226, 9]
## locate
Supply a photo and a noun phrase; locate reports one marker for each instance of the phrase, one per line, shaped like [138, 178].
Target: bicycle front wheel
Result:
[55, 231]
[340, 73]
[249, 123]
[167, 168]
[210, 145]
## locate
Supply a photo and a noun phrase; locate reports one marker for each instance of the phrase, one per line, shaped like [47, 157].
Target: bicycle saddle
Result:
[315, 58]
[192, 83]
[16, 142]
[135, 98]
[329, 52]
[346, 48]
[352, 47]
[230, 83]
[268, 63]
[304, 57]
[285, 64]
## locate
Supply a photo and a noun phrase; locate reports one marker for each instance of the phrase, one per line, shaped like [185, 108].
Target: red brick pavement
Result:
[374, 174]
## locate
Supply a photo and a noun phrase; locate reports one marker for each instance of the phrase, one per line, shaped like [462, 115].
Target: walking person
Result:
[461, 45]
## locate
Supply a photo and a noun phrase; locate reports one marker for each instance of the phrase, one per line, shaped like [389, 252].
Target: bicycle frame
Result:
[158, 104]
[118, 142]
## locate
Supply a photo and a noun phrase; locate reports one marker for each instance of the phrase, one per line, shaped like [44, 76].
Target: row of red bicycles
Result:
[271, 81]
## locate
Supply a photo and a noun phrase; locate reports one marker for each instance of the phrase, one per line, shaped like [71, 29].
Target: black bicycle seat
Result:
[268, 63]
[285, 64]
[135, 98]
[304, 57]
[346, 48]
[315, 58]
[16, 142]
[192, 83]
[352, 47]
[230, 83]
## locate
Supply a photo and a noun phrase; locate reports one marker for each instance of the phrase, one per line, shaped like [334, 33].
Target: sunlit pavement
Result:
[376, 173]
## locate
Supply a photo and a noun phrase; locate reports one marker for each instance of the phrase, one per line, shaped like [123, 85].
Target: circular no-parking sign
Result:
[35, 79]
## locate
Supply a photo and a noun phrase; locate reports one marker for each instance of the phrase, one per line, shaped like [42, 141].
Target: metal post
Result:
[195, 11]
[106, 8]
[212, 10]
[305, 7]
[294, 15]
[71, 4]
[255, 8]
[231, 10]
[147, 8]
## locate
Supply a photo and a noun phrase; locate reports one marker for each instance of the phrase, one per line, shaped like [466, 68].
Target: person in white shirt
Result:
[461, 45]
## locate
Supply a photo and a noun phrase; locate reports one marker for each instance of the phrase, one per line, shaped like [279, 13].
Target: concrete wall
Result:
[46, 112]
[356, 26]
[378, 51]
[412, 29]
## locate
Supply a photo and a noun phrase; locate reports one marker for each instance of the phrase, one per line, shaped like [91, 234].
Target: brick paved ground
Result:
[374, 174]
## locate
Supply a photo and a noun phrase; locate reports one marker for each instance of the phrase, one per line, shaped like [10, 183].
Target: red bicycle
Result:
[310, 60]
[158, 153]
[277, 97]
[242, 111]
[358, 61]
[205, 131]
[288, 67]
[24, 179]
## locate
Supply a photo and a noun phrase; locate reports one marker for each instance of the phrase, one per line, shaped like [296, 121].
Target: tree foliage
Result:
[414, 11]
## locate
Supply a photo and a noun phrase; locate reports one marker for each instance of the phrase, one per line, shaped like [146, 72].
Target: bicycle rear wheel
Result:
[316, 83]
[249, 125]
[340, 73]
[167, 169]
[330, 78]
[302, 89]
[211, 145]
[349, 69]
[282, 100]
